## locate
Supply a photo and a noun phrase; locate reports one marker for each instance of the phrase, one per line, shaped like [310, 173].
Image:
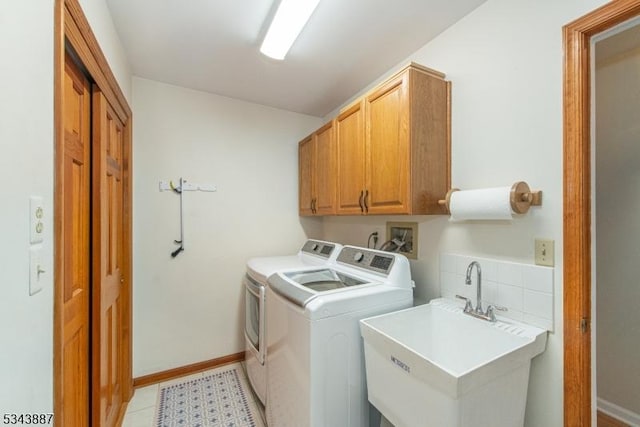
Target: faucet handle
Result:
[491, 311]
[467, 305]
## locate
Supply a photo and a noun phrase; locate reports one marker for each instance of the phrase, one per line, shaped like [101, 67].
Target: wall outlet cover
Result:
[36, 219]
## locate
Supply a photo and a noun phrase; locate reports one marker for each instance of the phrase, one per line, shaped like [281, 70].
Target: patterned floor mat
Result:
[220, 398]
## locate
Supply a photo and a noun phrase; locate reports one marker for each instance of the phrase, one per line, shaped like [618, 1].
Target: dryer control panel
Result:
[316, 247]
[370, 260]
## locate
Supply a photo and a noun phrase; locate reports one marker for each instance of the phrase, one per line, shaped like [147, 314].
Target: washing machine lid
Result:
[301, 287]
[323, 280]
[313, 252]
[259, 269]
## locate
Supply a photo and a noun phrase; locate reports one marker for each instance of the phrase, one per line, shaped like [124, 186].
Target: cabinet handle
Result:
[360, 201]
[313, 206]
[366, 196]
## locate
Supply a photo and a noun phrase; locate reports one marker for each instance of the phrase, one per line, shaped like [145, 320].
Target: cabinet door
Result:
[388, 147]
[350, 160]
[306, 158]
[324, 194]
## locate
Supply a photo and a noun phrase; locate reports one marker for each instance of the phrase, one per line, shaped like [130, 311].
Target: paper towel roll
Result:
[483, 204]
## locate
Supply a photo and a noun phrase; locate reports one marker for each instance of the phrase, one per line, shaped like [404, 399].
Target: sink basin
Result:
[434, 365]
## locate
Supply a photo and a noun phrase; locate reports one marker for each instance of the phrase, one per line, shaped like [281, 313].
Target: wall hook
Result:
[180, 242]
[174, 188]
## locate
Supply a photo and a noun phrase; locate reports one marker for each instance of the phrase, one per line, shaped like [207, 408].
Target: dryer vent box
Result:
[403, 235]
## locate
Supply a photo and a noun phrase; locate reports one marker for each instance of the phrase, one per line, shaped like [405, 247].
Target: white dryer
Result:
[312, 253]
[316, 374]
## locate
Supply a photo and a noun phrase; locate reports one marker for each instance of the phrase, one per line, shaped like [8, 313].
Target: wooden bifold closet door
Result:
[107, 266]
[93, 230]
[73, 177]
[95, 246]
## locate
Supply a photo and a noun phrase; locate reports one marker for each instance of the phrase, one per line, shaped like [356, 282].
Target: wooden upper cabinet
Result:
[350, 160]
[306, 166]
[429, 104]
[317, 181]
[408, 143]
[393, 151]
[387, 144]
[325, 192]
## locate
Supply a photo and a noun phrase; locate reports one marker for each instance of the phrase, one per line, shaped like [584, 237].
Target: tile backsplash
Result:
[525, 290]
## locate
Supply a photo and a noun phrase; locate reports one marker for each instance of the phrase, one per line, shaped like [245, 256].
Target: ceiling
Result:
[213, 46]
[621, 42]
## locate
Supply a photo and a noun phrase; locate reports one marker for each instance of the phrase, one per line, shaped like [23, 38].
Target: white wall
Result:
[99, 17]
[505, 62]
[26, 168]
[618, 229]
[190, 309]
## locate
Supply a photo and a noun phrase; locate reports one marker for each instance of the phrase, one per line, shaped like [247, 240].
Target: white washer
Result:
[316, 374]
[313, 253]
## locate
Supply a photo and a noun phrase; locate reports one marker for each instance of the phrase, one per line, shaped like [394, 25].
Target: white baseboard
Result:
[619, 412]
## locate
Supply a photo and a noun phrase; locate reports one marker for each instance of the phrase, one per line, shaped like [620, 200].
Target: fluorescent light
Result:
[290, 18]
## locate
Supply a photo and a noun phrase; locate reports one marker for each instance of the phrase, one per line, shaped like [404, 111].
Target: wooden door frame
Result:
[71, 26]
[577, 203]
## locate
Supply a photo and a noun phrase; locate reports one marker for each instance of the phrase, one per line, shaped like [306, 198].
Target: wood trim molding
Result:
[79, 34]
[182, 371]
[58, 259]
[576, 230]
[577, 203]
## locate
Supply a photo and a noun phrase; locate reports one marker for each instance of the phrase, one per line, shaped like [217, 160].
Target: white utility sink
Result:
[433, 365]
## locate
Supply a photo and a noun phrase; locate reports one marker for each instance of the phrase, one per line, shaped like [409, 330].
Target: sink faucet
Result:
[489, 314]
[467, 281]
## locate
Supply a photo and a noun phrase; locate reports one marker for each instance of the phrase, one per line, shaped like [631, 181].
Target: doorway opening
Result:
[577, 221]
[616, 166]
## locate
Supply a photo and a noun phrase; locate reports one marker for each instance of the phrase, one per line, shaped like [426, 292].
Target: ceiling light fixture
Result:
[290, 18]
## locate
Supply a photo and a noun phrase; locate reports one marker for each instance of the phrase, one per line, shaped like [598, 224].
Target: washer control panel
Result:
[370, 260]
[318, 248]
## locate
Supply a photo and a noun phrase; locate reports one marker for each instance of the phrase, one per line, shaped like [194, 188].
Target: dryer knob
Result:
[358, 256]
[314, 247]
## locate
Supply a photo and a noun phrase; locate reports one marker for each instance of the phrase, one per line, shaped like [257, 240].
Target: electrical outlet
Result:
[544, 252]
[36, 218]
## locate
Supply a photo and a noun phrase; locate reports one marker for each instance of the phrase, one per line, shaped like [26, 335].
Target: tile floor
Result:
[142, 407]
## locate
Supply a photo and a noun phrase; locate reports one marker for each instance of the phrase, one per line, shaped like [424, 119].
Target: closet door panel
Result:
[108, 257]
[75, 186]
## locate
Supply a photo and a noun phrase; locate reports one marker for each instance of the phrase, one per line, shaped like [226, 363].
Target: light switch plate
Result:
[35, 270]
[544, 252]
[36, 219]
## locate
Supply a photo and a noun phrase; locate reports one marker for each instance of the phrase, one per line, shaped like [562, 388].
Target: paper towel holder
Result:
[447, 200]
[521, 198]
